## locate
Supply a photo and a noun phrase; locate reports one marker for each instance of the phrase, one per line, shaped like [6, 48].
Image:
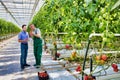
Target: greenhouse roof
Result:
[19, 11]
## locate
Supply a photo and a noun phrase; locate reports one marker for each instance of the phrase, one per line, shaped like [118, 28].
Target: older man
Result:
[23, 39]
[36, 34]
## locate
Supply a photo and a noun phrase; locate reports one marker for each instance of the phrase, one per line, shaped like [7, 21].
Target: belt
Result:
[24, 43]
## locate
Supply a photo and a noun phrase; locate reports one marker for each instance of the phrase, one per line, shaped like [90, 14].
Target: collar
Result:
[23, 31]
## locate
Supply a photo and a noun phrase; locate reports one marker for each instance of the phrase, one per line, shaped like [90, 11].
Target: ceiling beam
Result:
[2, 9]
[21, 16]
[34, 8]
[8, 11]
[18, 8]
[17, 5]
[18, 2]
[16, 12]
[41, 2]
[21, 12]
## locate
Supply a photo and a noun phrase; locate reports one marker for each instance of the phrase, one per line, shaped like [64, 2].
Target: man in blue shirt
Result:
[23, 39]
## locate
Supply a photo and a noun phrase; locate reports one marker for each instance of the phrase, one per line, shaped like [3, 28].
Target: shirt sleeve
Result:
[19, 36]
[38, 31]
[27, 35]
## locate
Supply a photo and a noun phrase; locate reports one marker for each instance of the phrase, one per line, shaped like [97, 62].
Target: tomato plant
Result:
[8, 28]
[77, 16]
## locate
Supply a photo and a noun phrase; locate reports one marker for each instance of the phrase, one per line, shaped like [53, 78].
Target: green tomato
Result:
[105, 39]
[100, 18]
[103, 10]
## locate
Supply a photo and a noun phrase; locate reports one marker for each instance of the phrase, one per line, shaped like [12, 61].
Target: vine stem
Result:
[100, 70]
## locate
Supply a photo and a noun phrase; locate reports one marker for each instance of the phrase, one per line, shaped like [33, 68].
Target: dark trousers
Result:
[24, 51]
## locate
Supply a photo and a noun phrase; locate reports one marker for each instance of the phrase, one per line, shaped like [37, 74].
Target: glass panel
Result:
[22, 10]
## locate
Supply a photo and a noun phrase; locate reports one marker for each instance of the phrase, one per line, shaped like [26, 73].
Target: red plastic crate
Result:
[43, 75]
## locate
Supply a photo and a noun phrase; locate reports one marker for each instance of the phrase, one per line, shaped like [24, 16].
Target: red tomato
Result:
[104, 57]
[58, 54]
[114, 66]
[78, 69]
[67, 46]
[116, 70]
[89, 78]
[86, 77]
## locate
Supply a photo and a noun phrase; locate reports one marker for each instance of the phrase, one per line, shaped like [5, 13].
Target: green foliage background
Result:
[8, 28]
[78, 16]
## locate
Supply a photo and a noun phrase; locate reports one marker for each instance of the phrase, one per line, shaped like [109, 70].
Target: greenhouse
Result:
[59, 39]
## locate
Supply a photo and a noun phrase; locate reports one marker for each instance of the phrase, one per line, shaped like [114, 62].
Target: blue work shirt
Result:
[22, 36]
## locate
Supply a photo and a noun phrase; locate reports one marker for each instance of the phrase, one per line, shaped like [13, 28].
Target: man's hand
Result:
[36, 35]
[25, 40]
[31, 33]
